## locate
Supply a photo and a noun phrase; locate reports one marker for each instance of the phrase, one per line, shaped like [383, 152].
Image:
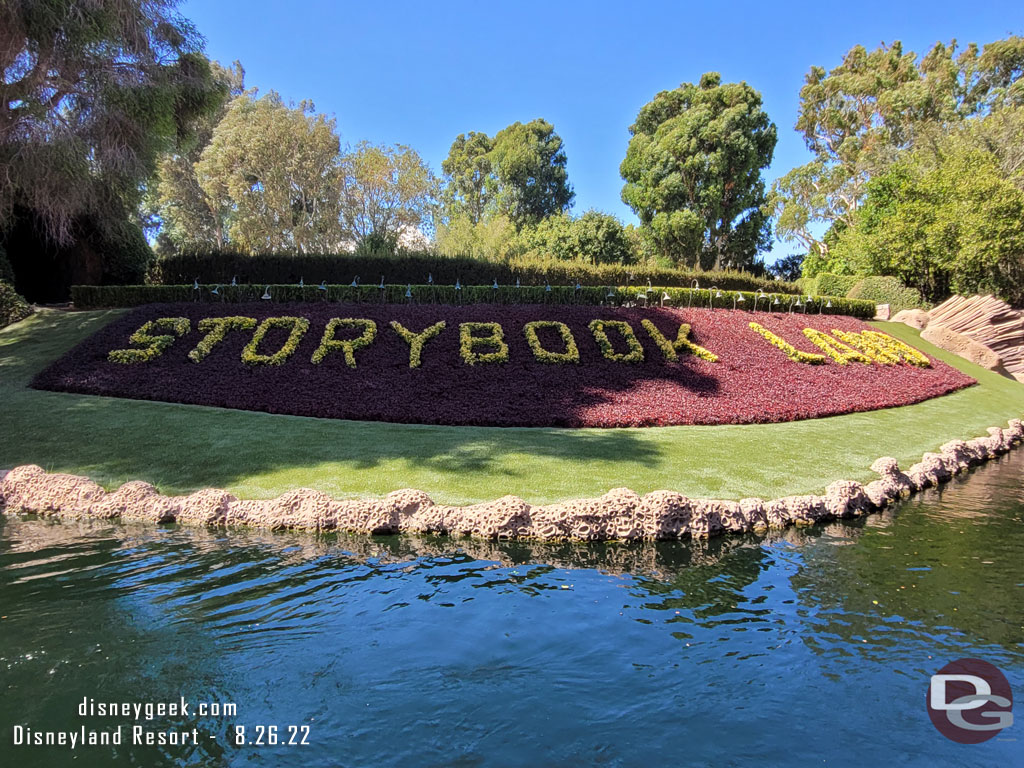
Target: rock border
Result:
[619, 514]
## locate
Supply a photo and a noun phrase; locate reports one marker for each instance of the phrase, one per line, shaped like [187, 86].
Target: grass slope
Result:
[181, 448]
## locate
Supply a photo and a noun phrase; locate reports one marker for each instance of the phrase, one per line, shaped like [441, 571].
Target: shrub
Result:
[416, 341]
[296, 326]
[572, 352]
[155, 344]
[12, 307]
[96, 297]
[886, 290]
[671, 349]
[838, 351]
[347, 346]
[600, 330]
[828, 284]
[788, 349]
[126, 254]
[413, 268]
[216, 328]
[494, 338]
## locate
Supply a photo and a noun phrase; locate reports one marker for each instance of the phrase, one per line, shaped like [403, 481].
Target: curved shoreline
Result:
[619, 514]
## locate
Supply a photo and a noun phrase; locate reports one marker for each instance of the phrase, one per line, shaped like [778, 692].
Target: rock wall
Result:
[988, 321]
[620, 514]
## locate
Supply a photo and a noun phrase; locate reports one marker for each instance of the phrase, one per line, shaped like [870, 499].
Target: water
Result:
[810, 647]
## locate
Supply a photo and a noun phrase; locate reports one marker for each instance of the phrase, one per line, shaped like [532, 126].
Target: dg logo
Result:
[970, 701]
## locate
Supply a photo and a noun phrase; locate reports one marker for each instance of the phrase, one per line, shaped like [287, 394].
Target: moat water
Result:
[806, 647]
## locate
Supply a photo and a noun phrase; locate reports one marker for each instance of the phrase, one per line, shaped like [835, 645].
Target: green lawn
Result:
[180, 448]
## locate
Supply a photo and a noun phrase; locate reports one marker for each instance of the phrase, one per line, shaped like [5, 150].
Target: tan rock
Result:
[915, 318]
[206, 507]
[845, 498]
[137, 501]
[962, 345]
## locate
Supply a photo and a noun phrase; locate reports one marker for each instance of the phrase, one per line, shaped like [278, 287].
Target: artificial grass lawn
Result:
[180, 448]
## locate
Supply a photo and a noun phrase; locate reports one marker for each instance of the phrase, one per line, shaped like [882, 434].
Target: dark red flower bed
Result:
[751, 382]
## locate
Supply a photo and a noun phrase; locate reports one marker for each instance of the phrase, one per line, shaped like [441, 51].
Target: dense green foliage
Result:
[415, 267]
[519, 174]
[886, 290]
[92, 94]
[946, 221]
[12, 307]
[827, 284]
[95, 297]
[386, 192]
[693, 172]
[594, 237]
[270, 175]
[858, 117]
[470, 182]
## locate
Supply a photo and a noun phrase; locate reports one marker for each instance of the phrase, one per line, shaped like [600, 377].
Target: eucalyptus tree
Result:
[271, 173]
[693, 172]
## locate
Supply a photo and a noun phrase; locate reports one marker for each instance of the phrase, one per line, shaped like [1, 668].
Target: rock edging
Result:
[619, 514]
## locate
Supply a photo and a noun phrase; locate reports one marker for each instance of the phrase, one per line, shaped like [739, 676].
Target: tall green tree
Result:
[529, 165]
[386, 191]
[693, 172]
[942, 221]
[180, 212]
[470, 183]
[860, 116]
[271, 172]
[595, 237]
[91, 94]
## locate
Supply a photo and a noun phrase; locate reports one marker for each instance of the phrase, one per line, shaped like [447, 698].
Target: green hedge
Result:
[887, 290]
[414, 268]
[12, 307]
[96, 297]
[828, 284]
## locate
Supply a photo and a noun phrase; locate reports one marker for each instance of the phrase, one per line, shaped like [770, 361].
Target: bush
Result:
[828, 284]
[886, 290]
[97, 297]
[126, 255]
[12, 307]
[413, 268]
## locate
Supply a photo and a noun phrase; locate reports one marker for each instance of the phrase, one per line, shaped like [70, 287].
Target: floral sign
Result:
[513, 366]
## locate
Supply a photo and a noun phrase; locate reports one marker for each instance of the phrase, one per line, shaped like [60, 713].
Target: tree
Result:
[385, 192]
[787, 268]
[182, 215]
[693, 172]
[859, 117]
[470, 182]
[491, 239]
[595, 237]
[92, 93]
[270, 171]
[942, 222]
[529, 166]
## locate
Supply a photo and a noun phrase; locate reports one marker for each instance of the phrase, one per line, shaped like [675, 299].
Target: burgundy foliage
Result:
[752, 382]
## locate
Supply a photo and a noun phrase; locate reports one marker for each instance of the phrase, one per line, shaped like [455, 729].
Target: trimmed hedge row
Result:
[888, 290]
[97, 296]
[414, 268]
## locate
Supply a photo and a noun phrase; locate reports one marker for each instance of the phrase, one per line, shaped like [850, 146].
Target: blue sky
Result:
[421, 73]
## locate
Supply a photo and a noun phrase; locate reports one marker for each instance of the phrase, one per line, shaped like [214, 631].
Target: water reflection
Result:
[432, 651]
